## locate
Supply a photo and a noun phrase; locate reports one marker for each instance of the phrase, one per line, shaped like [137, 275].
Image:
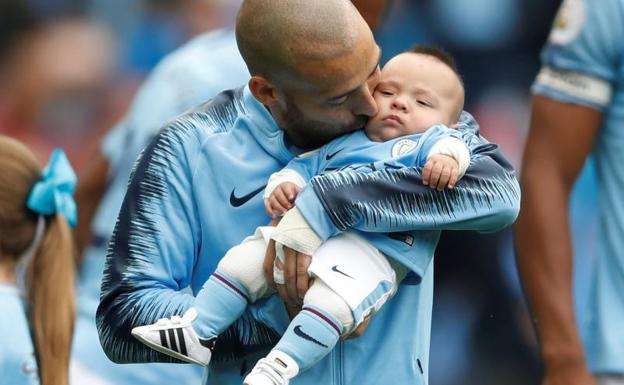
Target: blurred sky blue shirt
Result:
[17, 354]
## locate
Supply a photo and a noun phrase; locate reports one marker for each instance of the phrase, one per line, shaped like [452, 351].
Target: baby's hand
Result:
[281, 199]
[440, 171]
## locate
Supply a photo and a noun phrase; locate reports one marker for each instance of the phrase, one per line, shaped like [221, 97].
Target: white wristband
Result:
[282, 176]
[456, 149]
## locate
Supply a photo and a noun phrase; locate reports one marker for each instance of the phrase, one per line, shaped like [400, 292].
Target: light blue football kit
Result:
[355, 155]
[583, 63]
[195, 193]
[195, 72]
[18, 365]
[344, 299]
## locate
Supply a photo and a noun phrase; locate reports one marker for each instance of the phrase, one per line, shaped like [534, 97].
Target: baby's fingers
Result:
[291, 191]
[426, 175]
[436, 173]
[281, 197]
[453, 181]
[268, 208]
[278, 208]
[445, 176]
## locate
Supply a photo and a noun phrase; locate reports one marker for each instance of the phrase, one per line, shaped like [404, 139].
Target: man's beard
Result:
[308, 134]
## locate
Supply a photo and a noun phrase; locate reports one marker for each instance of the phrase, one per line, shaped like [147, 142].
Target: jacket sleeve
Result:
[298, 171]
[153, 248]
[393, 198]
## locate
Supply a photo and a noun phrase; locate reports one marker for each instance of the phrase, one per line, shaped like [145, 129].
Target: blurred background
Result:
[69, 69]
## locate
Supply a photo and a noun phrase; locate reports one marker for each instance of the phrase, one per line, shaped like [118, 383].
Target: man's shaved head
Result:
[277, 36]
[314, 64]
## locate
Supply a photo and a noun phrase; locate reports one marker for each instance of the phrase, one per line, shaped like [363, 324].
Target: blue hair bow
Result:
[54, 192]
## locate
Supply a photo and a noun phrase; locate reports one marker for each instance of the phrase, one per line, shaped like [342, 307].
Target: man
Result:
[195, 72]
[578, 109]
[202, 68]
[195, 193]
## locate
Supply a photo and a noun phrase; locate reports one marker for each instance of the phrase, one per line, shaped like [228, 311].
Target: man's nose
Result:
[367, 105]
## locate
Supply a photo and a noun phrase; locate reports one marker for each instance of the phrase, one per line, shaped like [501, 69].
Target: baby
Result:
[419, 97]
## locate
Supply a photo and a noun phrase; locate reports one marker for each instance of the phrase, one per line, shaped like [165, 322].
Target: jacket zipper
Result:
[339, 363]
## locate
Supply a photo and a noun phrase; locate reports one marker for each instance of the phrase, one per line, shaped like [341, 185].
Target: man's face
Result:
[335, 98]
[416, 92]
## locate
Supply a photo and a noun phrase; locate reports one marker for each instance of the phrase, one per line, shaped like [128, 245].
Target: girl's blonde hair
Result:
[50, 275]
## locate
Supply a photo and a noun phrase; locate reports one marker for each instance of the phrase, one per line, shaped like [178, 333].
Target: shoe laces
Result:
[175, 320]
[270, 369]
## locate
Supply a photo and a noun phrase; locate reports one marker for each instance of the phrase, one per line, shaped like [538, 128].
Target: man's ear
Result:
[263, 90]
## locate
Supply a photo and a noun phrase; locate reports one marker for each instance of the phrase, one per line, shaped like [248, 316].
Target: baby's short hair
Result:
[439, 53]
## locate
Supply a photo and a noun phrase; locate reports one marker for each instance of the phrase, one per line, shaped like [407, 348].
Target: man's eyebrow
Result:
[356, 88]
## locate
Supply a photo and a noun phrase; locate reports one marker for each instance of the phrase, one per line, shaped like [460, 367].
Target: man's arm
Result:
[153, 247]
[559, 141]
[393, 199]
[153, 252]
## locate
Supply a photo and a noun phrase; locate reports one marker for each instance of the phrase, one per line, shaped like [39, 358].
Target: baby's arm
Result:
[281, 191]
[447, 162]
[284, 186]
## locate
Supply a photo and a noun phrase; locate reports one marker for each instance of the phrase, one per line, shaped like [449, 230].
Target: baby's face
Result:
[416, 92]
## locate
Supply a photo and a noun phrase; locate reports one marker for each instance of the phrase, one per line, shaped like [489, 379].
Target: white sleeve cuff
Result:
[456, 149]
[283, 176]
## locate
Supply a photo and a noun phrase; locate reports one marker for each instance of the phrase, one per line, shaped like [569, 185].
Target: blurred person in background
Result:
[53, 76]
[36, 266]
[203, 67]
[578, 110]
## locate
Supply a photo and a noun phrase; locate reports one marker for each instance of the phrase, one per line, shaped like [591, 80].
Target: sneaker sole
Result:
[169, 352]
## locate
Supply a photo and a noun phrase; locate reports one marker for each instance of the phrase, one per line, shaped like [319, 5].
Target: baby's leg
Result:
[238, 280]
[314, 332]
[352, 281]
[311, 335]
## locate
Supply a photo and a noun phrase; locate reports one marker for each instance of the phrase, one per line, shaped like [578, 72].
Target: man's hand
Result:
[293, 268]
[440, 171]
[359, 331]
[295, 241]
[269, 263]
[281, 199]
[269, 258]
[297, 281]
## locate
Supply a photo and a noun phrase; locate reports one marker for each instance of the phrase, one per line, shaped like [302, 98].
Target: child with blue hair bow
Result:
[36, 266]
